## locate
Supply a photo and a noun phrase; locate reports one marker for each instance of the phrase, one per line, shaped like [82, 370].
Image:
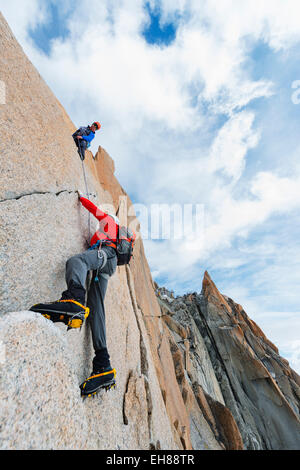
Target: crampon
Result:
[104, 379]
[69, 312]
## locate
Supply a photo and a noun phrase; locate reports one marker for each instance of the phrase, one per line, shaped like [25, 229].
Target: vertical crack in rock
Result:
[125, 418]
[127, 333]
[149, 403]
[143, 351]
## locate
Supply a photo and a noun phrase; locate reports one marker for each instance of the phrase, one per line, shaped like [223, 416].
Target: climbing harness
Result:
[101, 255]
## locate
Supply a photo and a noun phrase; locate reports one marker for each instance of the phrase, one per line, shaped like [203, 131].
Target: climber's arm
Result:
[89, 137]
[98, 213]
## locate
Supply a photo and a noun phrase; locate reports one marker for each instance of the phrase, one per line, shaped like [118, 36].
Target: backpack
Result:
[82, 131]
[125, 244]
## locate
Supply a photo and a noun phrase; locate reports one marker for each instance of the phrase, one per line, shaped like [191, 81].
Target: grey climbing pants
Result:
[82, 146]
[103, 263]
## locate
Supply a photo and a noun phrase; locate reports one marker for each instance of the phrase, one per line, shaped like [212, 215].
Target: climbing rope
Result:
[88, 196]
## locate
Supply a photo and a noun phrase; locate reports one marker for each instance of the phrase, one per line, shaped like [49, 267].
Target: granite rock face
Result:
[42, 225]
[173, 390]
[189, 427]
[247, 392]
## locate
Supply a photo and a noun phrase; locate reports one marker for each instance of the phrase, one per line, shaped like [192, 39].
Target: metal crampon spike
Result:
[110, 387]
[107, 388]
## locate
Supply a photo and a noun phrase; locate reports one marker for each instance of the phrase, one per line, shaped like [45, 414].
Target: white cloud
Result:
[231, 145]
[274, 21]
[34, 12]
[160, 109]
[282, 328]
[291, 351]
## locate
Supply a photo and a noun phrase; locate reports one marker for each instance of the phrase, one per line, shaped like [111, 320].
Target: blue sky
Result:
[197, 96]
[55, 28]
[155, 32]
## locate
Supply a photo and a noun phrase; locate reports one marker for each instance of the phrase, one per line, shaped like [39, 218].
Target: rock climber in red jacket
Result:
[109, 224]
[102, 259]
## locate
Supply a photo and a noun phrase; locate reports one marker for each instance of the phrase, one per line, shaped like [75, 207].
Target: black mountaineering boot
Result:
[101, 359]
[103, 378]
[68, 311]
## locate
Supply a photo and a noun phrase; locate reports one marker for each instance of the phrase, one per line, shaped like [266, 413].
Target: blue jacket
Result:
[89, 137]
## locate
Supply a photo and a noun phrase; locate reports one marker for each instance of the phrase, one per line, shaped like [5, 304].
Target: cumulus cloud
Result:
[272, 20]
[179, 120]
[33, 13]
[231, 145]
[291, 350]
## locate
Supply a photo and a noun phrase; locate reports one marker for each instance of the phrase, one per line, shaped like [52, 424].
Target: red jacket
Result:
[108, 229]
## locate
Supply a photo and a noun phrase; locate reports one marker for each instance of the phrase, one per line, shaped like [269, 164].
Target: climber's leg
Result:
[70, 308]
[103, 375]
[95, 302]
[82, 146]
[78, 266]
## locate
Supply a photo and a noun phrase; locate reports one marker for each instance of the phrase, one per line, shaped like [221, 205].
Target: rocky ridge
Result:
[228, 361]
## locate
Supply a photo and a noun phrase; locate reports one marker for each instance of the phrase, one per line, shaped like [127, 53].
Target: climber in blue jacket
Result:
[84, 136]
